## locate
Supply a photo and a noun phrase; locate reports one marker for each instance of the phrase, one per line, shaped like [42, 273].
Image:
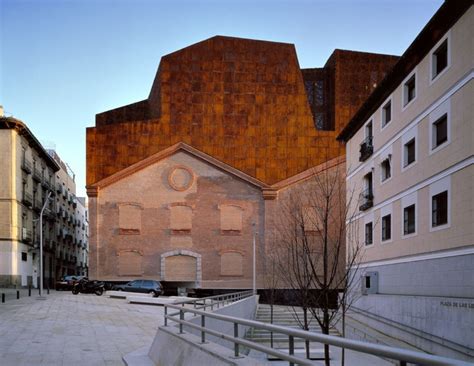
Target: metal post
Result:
[3, 297]
[166, 313]
[236, 335]
[41, 246]
[29, 290]
[254, 284]
[291, 347]
[212, 304]
[17, 294]
[203, 333]
[181, 317]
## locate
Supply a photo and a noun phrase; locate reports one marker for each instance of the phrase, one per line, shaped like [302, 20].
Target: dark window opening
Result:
[439, 206]
[368, 234]
[386, 170]
[367, 281]
[440, 130]
[386, 227]
[440, 59]
[410, 152]
[24, 256]
[386, 114]
[410, 90]
[409, 220]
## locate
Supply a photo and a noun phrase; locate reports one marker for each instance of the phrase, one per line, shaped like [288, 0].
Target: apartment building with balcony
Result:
[71, 223]
[409, 156]
[27, 177]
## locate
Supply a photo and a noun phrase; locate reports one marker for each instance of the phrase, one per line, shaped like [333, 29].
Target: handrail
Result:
[399, 354]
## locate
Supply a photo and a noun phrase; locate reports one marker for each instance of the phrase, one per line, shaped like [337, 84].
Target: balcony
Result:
[366, 200]
[45, 183]
[27, 199]
[37, 205]
[26, 166]
[37, 175]
[59, 188]
[366, 149]
[26, 235]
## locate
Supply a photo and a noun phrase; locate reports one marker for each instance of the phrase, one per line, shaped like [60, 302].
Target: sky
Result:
[63, 61]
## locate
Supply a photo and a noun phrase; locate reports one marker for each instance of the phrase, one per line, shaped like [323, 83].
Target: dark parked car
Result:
[144, 286]
[67, 282]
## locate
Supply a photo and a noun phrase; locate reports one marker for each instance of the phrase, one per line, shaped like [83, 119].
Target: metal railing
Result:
[399, 354]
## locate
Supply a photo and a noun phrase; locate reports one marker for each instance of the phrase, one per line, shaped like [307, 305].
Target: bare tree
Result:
[311, 251]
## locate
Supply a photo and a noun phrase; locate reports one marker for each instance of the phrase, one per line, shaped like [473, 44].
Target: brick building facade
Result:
[176, 181]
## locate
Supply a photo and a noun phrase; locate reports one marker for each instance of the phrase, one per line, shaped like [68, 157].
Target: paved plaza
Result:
[73, 330]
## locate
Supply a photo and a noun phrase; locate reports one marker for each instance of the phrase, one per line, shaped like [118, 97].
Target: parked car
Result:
[143, 286]
[67, 282]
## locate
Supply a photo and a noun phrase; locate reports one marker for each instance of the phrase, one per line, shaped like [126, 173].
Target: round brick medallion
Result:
[180, 178]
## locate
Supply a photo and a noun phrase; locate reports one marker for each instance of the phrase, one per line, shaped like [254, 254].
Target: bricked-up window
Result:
[439, 206]
[386, 227]
[440, 131]
[311, 220]
[130, 263]
[440, 59]
[369, 239]
[130, 218]
[181, 218]
[409, 220]
[231, 219]
[231, 264]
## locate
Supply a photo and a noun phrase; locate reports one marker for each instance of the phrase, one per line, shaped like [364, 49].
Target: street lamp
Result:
[254, 272]
[41, 297]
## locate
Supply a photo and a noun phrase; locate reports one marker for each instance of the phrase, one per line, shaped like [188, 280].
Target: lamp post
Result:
[41, 297]
[254, 272]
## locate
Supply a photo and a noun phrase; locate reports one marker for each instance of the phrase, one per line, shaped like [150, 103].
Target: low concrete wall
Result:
[189, 351]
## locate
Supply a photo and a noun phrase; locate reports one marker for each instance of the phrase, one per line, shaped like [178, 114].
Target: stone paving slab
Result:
[71, 330]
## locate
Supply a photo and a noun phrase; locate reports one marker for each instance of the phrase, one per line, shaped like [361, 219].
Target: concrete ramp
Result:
[157, 300]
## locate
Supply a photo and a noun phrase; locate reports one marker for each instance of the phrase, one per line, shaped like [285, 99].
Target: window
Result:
[409, 226]
[409, 90]
[386, 113]
[439, 59]
[24, 256]
[369, 240]
[386, 227]
[440, 131]
[409, 153]
[386, 169]
[439, 207]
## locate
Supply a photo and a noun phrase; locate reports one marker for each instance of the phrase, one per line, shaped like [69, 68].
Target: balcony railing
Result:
[366, 148]
[366, 200]
[27, 199]
[26, 166]
[37, 205]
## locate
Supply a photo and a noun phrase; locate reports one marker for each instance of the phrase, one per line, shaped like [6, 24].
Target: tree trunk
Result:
[327, 361]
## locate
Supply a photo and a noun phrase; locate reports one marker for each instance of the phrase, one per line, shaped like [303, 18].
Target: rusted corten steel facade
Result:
[179, 182]
[244, 102]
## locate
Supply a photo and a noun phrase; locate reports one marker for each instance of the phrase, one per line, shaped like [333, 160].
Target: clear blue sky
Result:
[63, 61]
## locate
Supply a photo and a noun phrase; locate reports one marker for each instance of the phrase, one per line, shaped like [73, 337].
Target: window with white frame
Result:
[386, 113]
[369, 238]
[409, 223]
[409, 152]
[386, 227]
[439, 59]
[409, 90]
[386, 169]
[439, 209]
[440, 131]
[440, 206]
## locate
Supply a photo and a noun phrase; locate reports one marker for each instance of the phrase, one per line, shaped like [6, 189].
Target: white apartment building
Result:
[410, 155]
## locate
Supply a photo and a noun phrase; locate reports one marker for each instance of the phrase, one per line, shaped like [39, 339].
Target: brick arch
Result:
[183, 252]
